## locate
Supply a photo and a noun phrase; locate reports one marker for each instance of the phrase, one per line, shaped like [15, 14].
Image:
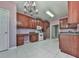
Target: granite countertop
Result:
[22, 34]
[70, 33]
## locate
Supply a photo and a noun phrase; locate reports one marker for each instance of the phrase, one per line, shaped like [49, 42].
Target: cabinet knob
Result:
[6, 32]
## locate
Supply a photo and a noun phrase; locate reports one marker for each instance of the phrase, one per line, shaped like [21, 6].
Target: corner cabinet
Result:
[73, 11]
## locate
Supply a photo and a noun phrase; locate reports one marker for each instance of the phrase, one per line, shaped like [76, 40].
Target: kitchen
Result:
[39, 27]
[30, 28]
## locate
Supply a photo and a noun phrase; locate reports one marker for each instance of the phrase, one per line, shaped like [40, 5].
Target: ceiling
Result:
[58, 8]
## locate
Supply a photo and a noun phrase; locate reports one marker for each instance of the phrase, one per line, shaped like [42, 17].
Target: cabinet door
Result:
[23, 20]
[30, 23]
[26, 23]
[64, 23]
[19, 20]
[63, 42]
[20, 40]
[33, 24]
[69, 44]
[66, 43]
[38, 22]
[41, 23]
[73, 12]
[33, 37]
[75, 46]
[45, 25]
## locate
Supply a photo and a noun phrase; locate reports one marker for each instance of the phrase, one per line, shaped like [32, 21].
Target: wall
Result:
[12, 21]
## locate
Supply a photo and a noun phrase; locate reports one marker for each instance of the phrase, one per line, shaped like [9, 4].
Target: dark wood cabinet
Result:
[72, 26]
[69, 44]
[39, 23]
[32, 23]
[63, 23]
[45, 25]
[22, 21]
[73, 11]
[65, 42]
[33, 37]
[20, 40]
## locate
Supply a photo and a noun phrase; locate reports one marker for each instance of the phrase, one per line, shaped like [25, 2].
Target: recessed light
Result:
[49, 13]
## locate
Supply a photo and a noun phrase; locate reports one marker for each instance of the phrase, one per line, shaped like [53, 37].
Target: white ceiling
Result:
[58, 8]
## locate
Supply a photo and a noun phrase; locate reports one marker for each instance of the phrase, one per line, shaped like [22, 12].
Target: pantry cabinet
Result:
[73, 11]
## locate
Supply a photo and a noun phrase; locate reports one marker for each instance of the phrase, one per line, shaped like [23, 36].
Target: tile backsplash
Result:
[25, 31]
[68, 30]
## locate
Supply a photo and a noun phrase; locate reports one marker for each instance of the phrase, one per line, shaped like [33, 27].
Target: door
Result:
[4, 29]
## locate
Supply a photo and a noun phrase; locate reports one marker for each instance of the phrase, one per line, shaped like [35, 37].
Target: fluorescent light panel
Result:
[49, 13]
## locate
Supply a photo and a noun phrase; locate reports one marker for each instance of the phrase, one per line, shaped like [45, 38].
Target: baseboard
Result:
[13, 48]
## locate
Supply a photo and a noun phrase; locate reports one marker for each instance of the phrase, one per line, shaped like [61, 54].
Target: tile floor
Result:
[41, 49]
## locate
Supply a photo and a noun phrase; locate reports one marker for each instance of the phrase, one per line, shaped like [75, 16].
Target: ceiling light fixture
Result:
[30, 7]
[49, 13]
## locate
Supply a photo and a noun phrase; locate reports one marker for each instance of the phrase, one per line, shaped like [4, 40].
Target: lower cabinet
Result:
[33, 37]
[20, 40]
[69, 44]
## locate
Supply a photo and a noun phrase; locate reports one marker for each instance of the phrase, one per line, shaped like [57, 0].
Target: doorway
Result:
[55, 31]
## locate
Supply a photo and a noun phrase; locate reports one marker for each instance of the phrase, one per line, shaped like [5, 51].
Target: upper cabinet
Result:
[73, 12]
[64, 23]
[45, 25]
[39, 22]
[24, 21]
[32, 23]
